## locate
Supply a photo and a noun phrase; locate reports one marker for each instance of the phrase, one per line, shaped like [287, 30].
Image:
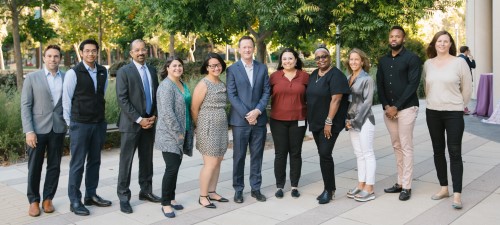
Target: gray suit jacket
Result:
[38, 114]
[131, 97]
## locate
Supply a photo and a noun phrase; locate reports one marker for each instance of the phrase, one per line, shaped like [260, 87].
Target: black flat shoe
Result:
[396, 188]
[169, 215]
[149, 197]
[238, 197]
[97, 201]
[279, 193]
[177, 207]
[79, 209]
[221, 199]
[295, 193]
[210, 206]
[325, 197]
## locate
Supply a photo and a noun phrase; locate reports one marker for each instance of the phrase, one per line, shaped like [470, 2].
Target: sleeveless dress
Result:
[211, 131]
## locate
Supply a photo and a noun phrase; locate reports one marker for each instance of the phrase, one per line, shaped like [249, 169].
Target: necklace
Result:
[322, 74]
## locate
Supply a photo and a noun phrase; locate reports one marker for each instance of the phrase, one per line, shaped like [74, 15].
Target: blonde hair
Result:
[364, 60]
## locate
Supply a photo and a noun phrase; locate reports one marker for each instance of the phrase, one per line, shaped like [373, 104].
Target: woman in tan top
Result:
[448, 87]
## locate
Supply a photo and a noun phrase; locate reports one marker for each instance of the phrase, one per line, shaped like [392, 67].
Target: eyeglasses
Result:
[318, 58]
[218, 65]
[94, 51]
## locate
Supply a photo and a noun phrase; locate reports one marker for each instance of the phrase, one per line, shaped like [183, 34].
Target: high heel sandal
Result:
[221, 199]
[210, 206]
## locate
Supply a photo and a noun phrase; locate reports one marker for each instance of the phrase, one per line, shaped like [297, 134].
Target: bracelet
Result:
[328, 120]
[328, 123]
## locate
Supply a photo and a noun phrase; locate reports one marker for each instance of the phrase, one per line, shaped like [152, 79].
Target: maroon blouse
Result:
[288, 98]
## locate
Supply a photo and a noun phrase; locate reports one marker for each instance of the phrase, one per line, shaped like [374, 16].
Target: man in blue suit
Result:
[248, 91]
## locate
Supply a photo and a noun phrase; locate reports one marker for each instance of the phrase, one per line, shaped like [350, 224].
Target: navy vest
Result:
[87, 105]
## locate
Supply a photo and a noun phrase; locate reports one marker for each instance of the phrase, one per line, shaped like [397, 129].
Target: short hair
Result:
[89, 41]
[397, 27]
[170, 59]
[322, 47]
[135, 41]
[211, 55]
[464, 49]
[364, 59]
[431, 49]
[246, 38]
[56, 47]
[299, 63]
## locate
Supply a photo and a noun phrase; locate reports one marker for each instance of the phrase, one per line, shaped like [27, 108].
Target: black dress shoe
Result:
[394, 189]
[279, 193]
[405, 194]
[125, 207]
[149, 197]
[295, 193]
[238, 197]
[98, 201]
[79, 209]
[325, 197]
[257, 195]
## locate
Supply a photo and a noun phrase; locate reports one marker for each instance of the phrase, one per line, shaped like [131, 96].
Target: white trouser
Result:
[362, 143]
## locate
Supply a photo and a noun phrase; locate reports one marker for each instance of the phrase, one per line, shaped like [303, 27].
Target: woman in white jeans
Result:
[361, 124]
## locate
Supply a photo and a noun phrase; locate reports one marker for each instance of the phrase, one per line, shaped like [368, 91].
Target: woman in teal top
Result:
[174, 129]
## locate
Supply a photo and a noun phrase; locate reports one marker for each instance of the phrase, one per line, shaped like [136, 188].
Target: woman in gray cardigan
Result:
[174, 130]
[361, 124]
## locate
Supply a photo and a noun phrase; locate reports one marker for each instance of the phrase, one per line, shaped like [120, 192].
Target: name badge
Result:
[301, 123]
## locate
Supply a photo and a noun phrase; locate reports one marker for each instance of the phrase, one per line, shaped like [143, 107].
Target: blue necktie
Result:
[145, 82]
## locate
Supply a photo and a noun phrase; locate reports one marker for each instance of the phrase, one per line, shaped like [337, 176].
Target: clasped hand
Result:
[147, 123]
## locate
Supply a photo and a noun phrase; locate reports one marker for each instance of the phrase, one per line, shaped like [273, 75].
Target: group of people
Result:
[166, 116]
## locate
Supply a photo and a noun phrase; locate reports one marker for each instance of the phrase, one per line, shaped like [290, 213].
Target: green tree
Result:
[14, 8]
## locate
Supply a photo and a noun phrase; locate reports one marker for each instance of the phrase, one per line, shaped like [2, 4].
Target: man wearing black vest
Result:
[83, 110]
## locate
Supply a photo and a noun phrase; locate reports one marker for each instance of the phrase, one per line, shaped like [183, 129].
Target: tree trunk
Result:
[155, 51]
[171, 49]
[235, 54]
[227, 52]
[108, 56]
[2, 63]
[67, 59]
[77, 52]
[17, 45]
[261, 51]
[192, 49]
[38, 58]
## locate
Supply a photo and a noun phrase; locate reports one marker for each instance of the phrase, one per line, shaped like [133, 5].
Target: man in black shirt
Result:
[465, 54]
[398, 77]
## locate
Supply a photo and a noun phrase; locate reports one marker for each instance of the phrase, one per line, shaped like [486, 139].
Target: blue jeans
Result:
[87, 141]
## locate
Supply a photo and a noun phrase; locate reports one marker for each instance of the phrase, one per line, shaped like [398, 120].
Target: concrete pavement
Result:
[481, 193]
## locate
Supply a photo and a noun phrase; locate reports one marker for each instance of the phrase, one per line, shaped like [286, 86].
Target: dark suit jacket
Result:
[472, 64]
[243, 96]
[131, 97]
[38, 114]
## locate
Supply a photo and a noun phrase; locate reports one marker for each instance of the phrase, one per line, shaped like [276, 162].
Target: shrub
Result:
[11, 135]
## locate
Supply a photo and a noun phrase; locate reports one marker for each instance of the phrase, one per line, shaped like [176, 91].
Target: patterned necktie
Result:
[147, 92]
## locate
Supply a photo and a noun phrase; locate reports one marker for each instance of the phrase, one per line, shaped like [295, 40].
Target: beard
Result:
[396, 47]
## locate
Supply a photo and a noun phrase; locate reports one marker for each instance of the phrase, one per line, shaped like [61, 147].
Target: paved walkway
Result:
[481, 193]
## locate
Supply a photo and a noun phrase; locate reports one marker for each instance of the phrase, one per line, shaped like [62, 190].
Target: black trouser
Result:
[52, 143]
[130, 141]
[172, 164]
[87, 140]
[288, 138]
[325, 148]
[451, 122]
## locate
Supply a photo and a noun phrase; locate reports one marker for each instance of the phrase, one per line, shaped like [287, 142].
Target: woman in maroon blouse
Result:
[288, 118]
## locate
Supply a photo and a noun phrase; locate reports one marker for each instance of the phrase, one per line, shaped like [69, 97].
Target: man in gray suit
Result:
[44, 126]
[136, 85]
[248, 91]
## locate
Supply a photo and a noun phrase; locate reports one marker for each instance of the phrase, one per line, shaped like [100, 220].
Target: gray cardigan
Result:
[361, 100]
[171, 134]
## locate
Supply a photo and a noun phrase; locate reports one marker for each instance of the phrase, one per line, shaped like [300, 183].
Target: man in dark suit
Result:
[465, 54]
[84, 88]
[136, 85]
[43, 124]
[248, 91]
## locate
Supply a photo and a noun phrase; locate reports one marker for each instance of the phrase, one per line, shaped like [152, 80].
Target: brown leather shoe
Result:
[34, 209]
[47, 206]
